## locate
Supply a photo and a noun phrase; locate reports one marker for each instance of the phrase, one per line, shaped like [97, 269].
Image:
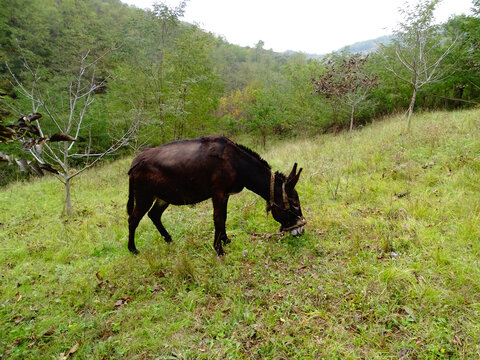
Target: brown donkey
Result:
[189, 171]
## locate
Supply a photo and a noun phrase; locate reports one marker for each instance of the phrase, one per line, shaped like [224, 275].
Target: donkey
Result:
[190, 171]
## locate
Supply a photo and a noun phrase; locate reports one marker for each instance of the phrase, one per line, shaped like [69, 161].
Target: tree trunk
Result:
[263, 134]
[351, 119]
[410, 108]
[68, 208]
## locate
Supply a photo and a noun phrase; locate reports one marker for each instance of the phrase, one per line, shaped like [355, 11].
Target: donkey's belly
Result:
[177, 195]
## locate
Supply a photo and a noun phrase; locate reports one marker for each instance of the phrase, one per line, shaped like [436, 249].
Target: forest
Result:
[160, 79]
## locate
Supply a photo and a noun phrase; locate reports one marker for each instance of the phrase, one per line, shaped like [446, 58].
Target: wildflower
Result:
[320, 287]
[244, 253]
[394, 254]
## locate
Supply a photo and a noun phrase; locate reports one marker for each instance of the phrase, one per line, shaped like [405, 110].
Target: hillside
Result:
[363, 47]
[368, 46]
[388, 268]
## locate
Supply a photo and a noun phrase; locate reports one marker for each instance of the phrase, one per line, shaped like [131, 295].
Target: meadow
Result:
[388, 267]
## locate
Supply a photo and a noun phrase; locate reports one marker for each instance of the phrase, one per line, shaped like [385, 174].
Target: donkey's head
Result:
[284, 202]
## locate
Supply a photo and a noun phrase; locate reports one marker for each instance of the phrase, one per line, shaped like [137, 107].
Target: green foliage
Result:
[388, 269]
[172, 89]
[266, 117]
[304, 112]
[175, 80]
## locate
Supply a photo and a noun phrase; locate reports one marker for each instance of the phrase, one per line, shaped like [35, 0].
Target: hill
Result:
[368, 46]
[388, 267]
[364, 47]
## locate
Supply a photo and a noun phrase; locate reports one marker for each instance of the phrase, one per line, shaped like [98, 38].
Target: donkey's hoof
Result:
[134, 251]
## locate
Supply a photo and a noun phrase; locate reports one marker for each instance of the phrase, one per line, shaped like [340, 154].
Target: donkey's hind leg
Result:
[142, 204]
[155, 214]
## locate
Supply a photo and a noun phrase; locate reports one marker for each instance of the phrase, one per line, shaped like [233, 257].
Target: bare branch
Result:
[418, 38]
[404, 62]
[113, 148]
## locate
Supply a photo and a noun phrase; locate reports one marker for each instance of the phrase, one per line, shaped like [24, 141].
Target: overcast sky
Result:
[310, 26]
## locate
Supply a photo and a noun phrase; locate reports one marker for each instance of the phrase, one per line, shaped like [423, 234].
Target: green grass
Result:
[388, 268]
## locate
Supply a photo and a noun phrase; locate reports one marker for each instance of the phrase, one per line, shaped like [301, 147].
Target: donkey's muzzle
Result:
[298, 229]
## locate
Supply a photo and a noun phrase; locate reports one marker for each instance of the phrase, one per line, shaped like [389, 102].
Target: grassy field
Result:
[388, 268]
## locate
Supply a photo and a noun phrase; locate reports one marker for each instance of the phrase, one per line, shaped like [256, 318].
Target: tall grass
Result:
[388, 268]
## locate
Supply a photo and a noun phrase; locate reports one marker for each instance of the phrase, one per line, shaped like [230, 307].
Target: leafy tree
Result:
[53, 34]
[266, 115]
[461, 88]
[418, 49]
[195, 88]
[476, 7]
[234, 109]
[466, 59]
[173, 88]
[296, 93]
[258, 50]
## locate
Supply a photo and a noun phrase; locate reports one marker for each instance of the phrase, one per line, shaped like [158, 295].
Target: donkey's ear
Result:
[292, 181]
[293, 172]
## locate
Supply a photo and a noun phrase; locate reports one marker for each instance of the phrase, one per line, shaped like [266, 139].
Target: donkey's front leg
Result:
[220, 202]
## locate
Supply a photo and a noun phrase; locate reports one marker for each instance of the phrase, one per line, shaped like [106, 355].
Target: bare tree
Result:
[418, 48]
[55, 153]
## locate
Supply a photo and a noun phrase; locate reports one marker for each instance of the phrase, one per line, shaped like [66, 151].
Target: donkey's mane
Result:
[253, 154]
[281, 176]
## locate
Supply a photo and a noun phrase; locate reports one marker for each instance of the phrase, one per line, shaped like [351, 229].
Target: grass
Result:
[388, 268]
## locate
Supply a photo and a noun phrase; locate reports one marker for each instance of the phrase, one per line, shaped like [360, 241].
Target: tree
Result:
[302, 110]
[462, 87]
[57, 152]
[194, 86]
[418, 49]
[266, 115]
[169, 82]
[476, 7]
[346, 82]
[258, 49]
[168, 19]
[234, 109]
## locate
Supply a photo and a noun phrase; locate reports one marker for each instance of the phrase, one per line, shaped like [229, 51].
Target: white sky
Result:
[310, 26]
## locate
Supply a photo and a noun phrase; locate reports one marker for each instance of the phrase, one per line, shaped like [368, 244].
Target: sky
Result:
[309, 26]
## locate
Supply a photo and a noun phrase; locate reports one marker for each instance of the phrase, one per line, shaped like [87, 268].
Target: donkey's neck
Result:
[257, 178]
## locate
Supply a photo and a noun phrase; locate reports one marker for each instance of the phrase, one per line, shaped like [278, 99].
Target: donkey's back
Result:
[181, 172]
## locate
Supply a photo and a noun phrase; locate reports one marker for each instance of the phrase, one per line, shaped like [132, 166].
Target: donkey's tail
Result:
[131, 192]
[131, 197]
